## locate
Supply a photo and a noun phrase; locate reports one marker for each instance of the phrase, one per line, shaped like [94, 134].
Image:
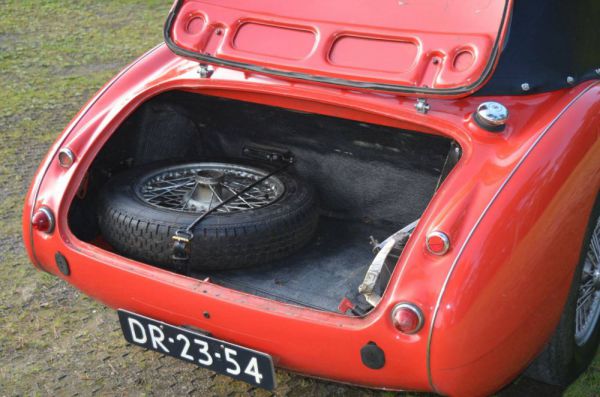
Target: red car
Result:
[397, 195]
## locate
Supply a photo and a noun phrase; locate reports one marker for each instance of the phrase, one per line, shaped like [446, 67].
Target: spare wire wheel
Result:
[255, 215]
[202, 186]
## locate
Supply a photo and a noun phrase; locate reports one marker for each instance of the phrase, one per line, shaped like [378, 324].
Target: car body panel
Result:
[431, 47]
[512, 279]
[325, 344]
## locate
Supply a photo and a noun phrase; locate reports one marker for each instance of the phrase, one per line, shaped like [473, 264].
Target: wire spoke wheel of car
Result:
[201, 186]
[575, 340]
[587, 313]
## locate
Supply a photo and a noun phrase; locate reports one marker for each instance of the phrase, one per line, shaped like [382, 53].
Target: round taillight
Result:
[407, 318]
[437, 243]
[66, 157]
[43, 220]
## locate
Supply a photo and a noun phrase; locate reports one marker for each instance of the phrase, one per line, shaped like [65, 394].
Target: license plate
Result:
[225, 358]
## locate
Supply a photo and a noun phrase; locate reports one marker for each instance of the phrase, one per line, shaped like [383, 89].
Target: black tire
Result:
[563, 360]
[221, 241]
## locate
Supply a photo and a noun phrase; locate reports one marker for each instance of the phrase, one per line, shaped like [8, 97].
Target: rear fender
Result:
[509, 282]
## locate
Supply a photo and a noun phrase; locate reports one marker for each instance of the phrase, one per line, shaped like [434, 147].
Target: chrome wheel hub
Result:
[209, 185]
[587, 313]
[199, 187]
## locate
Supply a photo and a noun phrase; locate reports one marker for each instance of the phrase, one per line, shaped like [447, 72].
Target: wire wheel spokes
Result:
[187, 188]
[587, 313]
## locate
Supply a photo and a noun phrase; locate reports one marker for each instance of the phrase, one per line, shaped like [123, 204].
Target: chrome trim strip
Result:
[473, 229]
[36, 189]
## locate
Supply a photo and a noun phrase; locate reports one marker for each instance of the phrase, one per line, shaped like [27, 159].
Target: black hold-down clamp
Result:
[181, 247]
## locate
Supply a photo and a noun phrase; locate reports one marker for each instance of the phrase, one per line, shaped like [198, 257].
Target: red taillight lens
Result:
[43, 220]
[407, 318]
[437, 243]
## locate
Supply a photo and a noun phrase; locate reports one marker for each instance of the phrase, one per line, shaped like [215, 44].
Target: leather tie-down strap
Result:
[182, 238]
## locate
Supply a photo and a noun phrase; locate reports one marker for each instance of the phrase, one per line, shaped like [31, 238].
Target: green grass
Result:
[53, 56]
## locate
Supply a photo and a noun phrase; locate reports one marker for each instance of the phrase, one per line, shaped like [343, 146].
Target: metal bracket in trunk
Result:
[383, 249]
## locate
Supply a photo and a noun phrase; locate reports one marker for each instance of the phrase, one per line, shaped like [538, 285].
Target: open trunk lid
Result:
[425, 47]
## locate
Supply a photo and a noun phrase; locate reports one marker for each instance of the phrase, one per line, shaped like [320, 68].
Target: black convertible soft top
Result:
[552, 44]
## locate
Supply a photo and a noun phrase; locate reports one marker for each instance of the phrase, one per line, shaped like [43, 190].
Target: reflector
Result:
[407, 318]
[43, 220]
[438, 243]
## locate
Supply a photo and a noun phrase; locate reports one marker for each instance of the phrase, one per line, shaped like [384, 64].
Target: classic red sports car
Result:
[398, 195]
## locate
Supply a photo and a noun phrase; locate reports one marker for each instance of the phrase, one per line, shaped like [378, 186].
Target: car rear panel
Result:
[316, 343]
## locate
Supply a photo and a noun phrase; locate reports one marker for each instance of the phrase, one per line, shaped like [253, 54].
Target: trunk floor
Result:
[320, 275]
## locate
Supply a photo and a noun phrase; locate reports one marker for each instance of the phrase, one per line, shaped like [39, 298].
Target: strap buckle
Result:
[181, 245]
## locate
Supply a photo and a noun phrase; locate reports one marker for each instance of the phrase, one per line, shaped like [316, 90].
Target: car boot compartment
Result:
[369, 182]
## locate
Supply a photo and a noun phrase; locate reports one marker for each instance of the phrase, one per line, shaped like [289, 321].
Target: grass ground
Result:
[53, 340]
